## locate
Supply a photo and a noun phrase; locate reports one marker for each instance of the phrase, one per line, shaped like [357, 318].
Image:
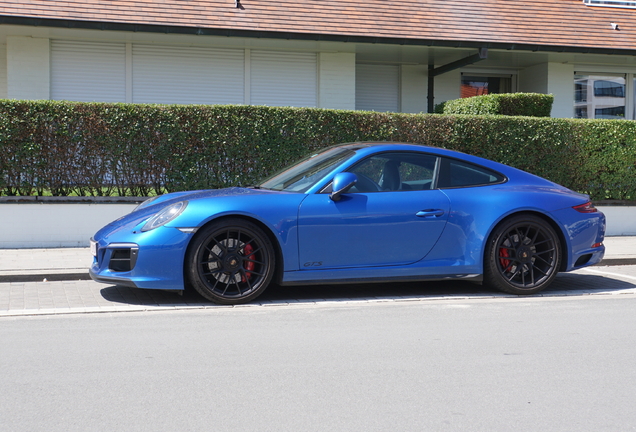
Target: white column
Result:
[561, 85]
[551, 78]
[448, 86]
[414, 89]
[3, 71]
[534, 79]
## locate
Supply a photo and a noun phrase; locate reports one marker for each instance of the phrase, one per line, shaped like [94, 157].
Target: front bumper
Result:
[111, 280]
[154, 260]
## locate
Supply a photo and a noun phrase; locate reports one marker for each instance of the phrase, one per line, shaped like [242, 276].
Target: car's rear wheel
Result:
[230, 262]
[523, 255]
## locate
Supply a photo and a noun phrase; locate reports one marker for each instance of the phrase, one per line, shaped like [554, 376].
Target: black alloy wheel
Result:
[230, 262]
[523, 255]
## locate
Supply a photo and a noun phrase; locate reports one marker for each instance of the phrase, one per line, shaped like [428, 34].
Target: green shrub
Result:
[511, 104]
[94, 149]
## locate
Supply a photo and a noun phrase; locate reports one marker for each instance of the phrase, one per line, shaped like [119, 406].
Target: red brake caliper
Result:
[249, 265]
[503, 252]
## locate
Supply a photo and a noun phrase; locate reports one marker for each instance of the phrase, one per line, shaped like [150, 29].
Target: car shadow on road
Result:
[568, 284]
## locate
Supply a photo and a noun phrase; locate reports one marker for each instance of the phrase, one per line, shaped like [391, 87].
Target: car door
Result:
[392, 216]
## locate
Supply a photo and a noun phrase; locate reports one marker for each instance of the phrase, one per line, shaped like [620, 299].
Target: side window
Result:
[389, 172]
[456, 173]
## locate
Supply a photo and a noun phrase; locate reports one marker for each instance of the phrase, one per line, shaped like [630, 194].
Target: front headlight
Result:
[165, 216]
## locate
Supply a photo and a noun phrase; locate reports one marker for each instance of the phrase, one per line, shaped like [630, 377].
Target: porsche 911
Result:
[356, 213]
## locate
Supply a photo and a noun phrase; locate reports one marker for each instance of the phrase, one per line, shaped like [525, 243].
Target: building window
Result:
[609, 88]
[477, 85]
[599, 96]
[610, 113]
[611, 3]
[580, 91]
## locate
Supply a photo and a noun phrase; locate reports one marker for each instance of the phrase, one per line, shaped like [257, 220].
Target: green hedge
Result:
[91, 149]
[510, 104]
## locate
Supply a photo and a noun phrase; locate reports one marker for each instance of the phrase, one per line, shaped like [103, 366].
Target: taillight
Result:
[588, 207]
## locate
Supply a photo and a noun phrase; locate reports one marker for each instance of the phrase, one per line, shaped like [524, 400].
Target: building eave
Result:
[227, 32]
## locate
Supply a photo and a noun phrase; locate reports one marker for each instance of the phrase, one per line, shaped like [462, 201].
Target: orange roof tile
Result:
[551, 23]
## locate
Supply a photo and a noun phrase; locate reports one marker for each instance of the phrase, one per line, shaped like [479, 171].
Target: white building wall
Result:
[448, 86]
[337, 81]
[3, 71]
[414, 89]
[28, 68]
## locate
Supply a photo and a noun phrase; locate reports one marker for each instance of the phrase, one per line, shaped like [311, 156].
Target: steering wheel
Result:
[365, 184]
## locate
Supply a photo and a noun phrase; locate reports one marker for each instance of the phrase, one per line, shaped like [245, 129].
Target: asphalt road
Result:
[492, 364]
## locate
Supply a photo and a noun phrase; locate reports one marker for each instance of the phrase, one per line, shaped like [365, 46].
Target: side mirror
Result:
[342, 182]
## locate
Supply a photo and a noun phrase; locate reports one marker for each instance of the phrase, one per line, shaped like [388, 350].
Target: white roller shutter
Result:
[88, 71]
[377, 87]
[187, 75]
[283, 79]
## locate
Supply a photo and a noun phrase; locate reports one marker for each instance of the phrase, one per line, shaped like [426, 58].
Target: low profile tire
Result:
[230, 262]
[523, 256]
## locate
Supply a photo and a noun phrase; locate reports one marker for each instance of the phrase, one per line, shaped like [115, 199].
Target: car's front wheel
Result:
[230, 262]
[523, 255]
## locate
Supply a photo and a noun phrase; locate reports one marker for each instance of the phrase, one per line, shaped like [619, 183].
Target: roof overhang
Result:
[204, 31]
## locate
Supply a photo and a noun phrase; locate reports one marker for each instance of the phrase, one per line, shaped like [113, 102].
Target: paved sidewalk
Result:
[620, 251]
[30, 265]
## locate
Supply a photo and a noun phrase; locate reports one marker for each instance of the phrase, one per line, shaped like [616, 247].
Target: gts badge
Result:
[313, 264]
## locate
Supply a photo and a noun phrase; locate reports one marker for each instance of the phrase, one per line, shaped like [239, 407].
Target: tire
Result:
[523, 256]
[230, 262]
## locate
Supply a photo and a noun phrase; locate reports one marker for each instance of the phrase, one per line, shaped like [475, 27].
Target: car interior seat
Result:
[391, 176]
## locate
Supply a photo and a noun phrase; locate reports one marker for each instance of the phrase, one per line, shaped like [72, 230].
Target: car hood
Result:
[173, 197]
[154, 205]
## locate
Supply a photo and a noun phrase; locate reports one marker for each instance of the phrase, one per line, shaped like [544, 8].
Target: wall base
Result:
[55, 225]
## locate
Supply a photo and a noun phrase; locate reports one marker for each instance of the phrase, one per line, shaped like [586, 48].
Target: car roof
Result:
[380, 146]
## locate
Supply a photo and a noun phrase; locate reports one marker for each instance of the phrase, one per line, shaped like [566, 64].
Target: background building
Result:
[402, 56]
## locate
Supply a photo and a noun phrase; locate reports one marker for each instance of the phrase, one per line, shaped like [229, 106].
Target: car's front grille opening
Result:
[583, 259]
[123, 260]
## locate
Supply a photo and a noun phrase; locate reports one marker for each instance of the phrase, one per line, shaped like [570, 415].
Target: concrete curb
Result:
[617, 262]
[39, 277]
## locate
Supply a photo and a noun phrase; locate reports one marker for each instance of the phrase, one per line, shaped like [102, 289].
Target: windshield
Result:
[304, 174]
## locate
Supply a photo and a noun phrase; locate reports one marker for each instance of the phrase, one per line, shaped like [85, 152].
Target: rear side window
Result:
[455, 173]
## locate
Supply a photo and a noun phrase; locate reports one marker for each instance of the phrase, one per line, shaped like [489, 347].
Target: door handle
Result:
[430, 213]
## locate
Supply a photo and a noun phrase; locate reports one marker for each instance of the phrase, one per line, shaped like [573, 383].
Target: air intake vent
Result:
[123, 260]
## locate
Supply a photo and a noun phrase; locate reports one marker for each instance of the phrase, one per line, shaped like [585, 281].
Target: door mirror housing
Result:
[342, 182]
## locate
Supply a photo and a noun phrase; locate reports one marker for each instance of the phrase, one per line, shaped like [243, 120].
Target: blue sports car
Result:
[360, 212]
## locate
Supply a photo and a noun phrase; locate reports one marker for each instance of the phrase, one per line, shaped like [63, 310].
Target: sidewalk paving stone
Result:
[67, 289]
